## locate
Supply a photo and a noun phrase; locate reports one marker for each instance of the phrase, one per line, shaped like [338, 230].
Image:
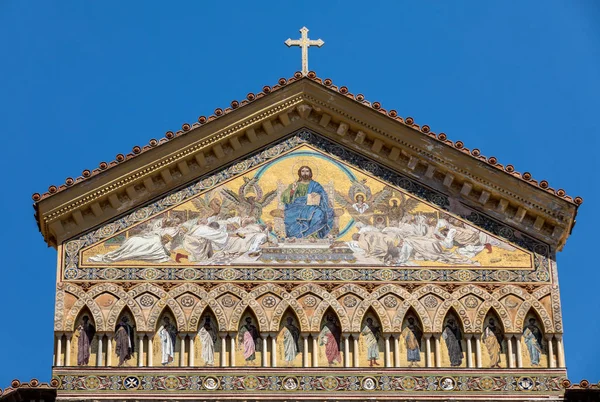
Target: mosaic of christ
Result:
[305, 208]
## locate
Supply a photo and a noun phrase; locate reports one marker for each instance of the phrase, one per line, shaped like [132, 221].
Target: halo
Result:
[392, 199]
[360, 193]
[305, 162]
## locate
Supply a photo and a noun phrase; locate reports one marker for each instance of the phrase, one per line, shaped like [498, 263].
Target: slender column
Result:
[265, 363]
[551, 362]
[519, 355]
[396, 351]
[109, 350]
[273, 350]
[140, 350]
[388, 360]
[315, 353]
[232, 345]
[509, 351]
[59, 349]
[68, 350]
[469, 350]
[355, 349]
[192, 354]
[428, 350]
[150, 350]
[99, 356]
[438, 351]
[224, 350]
[346, 350]
[561, 351]
[304, 350]
[478, 350]
[182, 351]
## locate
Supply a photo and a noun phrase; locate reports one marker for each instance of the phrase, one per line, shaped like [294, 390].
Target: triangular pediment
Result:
[467, 180]
[269, 210]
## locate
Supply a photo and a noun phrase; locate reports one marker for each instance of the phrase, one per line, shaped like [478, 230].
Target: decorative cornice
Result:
[263, 119]
[408, 121]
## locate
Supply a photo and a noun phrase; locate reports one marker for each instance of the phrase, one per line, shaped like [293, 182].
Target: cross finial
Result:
[304, 43]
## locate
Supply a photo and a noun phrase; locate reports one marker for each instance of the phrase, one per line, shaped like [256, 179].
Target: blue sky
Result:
[83, 81]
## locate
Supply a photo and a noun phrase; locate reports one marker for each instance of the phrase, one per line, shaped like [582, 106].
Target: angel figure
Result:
[397, 206]
[360, 203]
[249, 199]
[207, 206]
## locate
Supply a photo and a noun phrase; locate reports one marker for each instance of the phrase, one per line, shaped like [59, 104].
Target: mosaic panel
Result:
[452, 383]
[302, 203]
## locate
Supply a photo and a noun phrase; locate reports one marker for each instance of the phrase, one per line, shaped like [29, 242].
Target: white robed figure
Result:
[152, 246]
[208, 338]
[167, 333]
[371, 334]
[291, 335]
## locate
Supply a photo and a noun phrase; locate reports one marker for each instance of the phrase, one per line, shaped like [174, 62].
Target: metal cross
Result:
[304, 43]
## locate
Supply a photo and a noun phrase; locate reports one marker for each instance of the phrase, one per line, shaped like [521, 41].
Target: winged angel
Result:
[250, 199]
[361, 203]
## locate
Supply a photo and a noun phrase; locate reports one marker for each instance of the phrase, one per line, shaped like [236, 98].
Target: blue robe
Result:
[303, 220]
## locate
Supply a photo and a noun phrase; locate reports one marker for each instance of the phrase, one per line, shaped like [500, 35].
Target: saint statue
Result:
[248, 337]
[291, 336]
[307, 212]
[125, 340]
[492, 339]
[330, 337]
[168, 336]
[533, 339]
[411, 335]
[86, 335]
[371, 335]
[208, 338]
[453, 336]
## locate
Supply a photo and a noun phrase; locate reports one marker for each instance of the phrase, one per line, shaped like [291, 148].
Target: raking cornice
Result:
[183, 157]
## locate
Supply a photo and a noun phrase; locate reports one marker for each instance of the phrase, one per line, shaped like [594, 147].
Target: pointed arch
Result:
[420, 310]
[256, 309]
[159, 307]
[249, 312]
[83, 301]
[539, 311]
[459, 311]
[499, 309]
[287, 312]
[283, 307]
[378, 310]
[204, 305]
[329, 302]
[120, 307]
[84, 311]
[484, 311]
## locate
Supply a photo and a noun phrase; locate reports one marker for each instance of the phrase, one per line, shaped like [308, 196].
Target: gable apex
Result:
[202, 147]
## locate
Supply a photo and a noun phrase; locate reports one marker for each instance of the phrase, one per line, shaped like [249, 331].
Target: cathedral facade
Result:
[304, 244]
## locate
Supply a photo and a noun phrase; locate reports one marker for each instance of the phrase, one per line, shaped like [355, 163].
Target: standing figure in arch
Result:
[125, 340]
[291, 336]
[330, 337]
[533, 339]
[307, 212]
[452, 335]
[371, 334]
[411, 335]
[208, 337]
[492, 339]
[248, 340]
[86, 335]
[168, 336]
